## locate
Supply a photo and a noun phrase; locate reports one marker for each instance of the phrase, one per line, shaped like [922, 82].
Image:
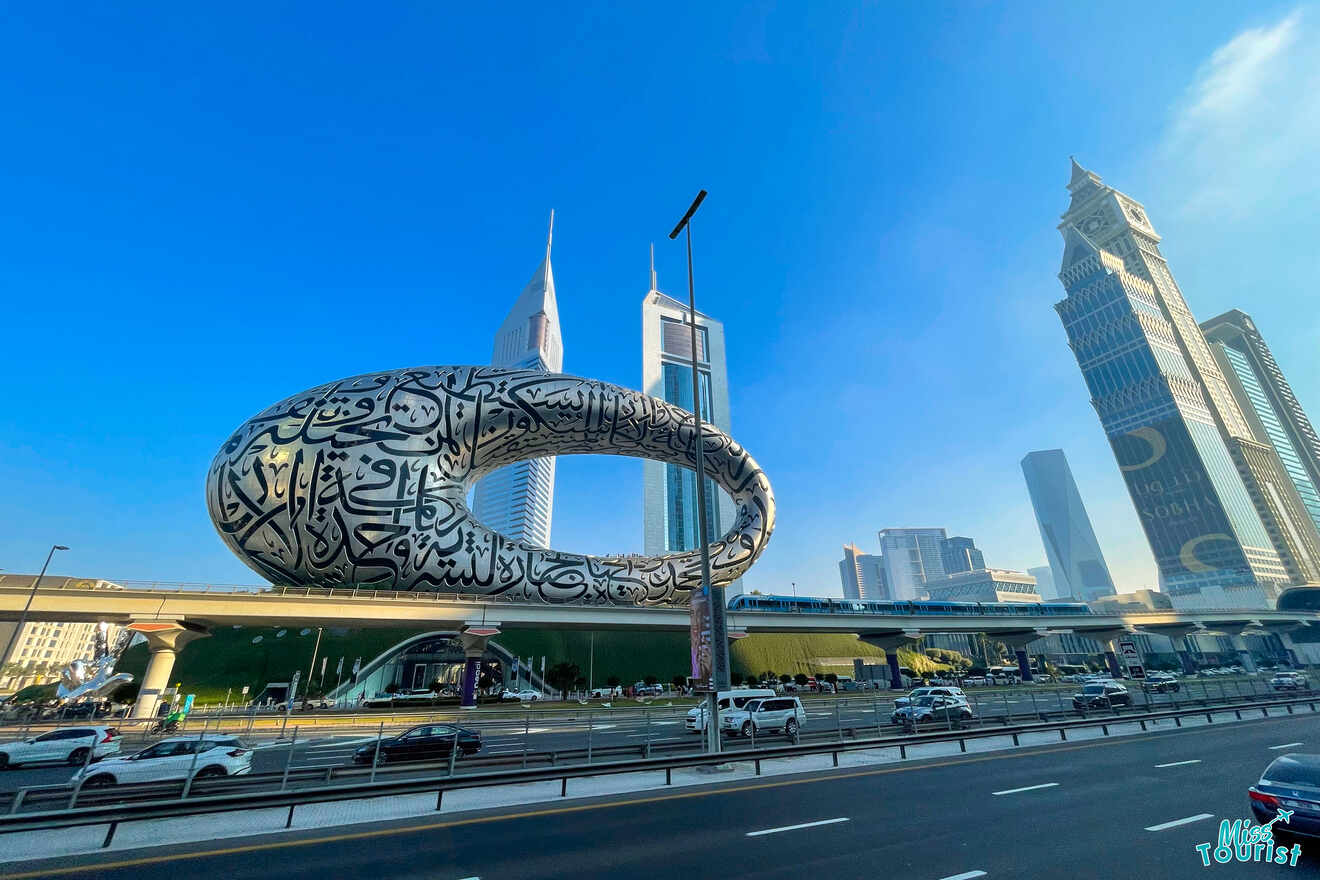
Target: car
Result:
[415, 697]
[695, 721]
[763, 716]
[67, 745]
[380, 700]
[932, 708]
[1161, 683]
[1290, 782]
[955, 692]
[425, 742]
[526, 695]
[642, 689]
[1289, 681]
[1102, 695]
[178, 757]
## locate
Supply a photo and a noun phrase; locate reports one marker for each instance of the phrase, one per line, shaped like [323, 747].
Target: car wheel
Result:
[99, 781]
[212, 772]
[747, 728]
[78, 756]
[791, 728]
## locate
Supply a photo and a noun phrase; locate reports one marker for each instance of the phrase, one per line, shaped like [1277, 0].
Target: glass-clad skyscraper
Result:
[518, 500]
[1200, 483]
[912, 556]
[862, 574]
[669, 515]
[1268, 401]
[1077, 566]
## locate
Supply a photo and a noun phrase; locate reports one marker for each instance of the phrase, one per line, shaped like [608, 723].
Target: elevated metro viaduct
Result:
[169, 618]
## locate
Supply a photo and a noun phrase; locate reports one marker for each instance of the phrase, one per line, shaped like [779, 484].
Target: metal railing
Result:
[112, 815]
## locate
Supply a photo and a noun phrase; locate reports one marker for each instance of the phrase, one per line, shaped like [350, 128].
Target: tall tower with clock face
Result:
[1210, 495]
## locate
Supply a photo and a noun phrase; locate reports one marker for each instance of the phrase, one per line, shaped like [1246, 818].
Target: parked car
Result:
[68, 745]
[1291, 782]
[1161, 683]
[1289, 681]
[933, 708]
[525, 695]
[380, 700]
[642, 689]
[425, 742]
[1102, 695]
[765, 715]
[695, 722]
[956, 692]
[175, 758]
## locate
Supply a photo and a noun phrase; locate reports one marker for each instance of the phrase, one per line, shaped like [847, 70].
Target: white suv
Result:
[174, 758]
[768, 714]
[68, 745]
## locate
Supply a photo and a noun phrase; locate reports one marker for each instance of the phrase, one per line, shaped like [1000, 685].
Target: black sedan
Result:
[426, 742]
[1290, 782]
[1102, 695]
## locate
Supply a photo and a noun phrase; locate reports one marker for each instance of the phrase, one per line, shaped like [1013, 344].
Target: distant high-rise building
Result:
[518, 500]
[1203, 487]
[1268, 402]
[982, 585]
[862, 574]
[960, 554]
[669, 491]
[1044, 576]
[911, 556]
[1076, 563]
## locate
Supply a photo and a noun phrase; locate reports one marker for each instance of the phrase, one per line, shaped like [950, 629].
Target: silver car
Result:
[764, 715]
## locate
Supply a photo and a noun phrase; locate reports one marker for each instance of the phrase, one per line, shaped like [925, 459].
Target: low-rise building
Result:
[983, 585]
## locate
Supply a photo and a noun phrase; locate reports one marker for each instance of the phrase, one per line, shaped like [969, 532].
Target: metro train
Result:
[817, 605]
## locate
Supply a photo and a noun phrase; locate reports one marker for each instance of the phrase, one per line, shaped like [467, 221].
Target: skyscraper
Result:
[1268, 401]
[1201, 485]
[1045, 582]
[961, 554]
[862, 574]
[911, 556]
[1076, 564]
[669, 514]
[518, 500]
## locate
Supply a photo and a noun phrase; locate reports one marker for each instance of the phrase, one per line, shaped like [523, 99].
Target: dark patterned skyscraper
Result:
[1208, 493]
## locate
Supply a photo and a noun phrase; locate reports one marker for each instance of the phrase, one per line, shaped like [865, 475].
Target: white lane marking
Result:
[1285, 746]
[797, 827]
[1026, 788]
[1178, 763]
[965, 875]
[1164, 826]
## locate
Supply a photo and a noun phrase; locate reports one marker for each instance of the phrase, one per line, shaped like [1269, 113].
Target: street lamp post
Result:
[22, 618]
[711, 596]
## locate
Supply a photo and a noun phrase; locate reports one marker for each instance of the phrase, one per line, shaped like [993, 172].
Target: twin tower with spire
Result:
[518, 501]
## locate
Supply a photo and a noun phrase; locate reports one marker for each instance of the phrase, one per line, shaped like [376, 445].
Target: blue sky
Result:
[208, 211]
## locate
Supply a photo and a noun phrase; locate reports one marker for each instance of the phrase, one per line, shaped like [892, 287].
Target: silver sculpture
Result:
[363, 482]
[95, 677]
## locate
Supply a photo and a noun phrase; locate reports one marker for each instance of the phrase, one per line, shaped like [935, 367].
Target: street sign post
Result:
[1132, 659]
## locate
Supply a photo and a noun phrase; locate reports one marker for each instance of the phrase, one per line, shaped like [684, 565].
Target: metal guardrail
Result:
[112, 815]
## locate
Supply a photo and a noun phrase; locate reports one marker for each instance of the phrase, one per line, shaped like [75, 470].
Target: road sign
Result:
[245, 690]
[1132, 659]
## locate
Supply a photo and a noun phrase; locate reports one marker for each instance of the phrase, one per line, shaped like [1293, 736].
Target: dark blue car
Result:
[1290, 782]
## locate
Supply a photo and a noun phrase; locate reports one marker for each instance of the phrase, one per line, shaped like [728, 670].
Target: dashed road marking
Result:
[797, 827]
[1025, 788]
[1178, 763]
[1164, 826]
[1285, 746]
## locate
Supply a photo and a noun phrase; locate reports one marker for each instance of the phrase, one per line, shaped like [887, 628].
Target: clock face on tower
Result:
[1093, 224]
[1136, 214]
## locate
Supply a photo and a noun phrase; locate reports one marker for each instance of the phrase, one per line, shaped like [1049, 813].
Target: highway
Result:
[1116, 808]
[570, 729]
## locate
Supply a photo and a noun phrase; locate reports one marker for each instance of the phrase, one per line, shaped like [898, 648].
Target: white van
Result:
[731, 699]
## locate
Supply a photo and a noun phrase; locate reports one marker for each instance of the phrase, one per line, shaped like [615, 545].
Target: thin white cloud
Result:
[1247, 126]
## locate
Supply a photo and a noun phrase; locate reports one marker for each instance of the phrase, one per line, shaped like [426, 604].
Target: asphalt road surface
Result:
[1117, 808]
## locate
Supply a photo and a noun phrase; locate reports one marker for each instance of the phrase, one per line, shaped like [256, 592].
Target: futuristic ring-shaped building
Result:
[364, 482]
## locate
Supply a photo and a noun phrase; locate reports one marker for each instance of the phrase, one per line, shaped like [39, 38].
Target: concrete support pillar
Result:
[1111, 660]
[895, 677]
[1290, 647]
[1024, 664]
[164, 641]
[1188, 664]
[1244, 656]
[890, 642]
[474, 640]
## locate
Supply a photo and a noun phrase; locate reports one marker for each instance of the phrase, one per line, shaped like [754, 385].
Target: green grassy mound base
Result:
[229, 658]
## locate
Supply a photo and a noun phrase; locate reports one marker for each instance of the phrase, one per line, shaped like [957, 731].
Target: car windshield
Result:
[919, 692]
